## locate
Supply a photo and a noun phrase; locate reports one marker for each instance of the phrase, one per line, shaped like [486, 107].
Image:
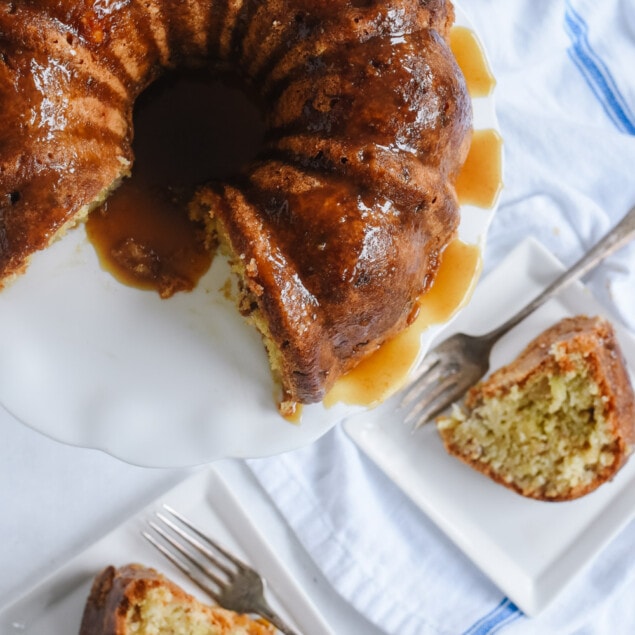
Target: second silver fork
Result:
[459, 362]
[230, 582]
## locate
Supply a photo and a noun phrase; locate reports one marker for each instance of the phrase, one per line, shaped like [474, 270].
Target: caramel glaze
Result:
[344, 214]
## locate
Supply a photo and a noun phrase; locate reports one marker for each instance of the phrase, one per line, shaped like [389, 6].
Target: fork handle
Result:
[622, 233]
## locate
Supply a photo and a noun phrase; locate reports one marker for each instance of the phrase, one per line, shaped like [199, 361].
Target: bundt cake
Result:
[338, 225]
[136, 600]
[557, 422]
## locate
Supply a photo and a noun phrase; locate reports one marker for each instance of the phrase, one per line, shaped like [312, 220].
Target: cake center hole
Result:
[195, 127]
[189, 128]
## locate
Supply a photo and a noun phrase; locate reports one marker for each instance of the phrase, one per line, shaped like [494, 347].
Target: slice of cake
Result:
[555, 423]
[140, 601]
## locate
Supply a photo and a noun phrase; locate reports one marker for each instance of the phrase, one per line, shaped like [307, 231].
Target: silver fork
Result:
[458, 362]
[227, 580]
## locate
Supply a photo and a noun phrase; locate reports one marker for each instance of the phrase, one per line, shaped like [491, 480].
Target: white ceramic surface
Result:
[163, 383]
[530, 549]
[55, 606]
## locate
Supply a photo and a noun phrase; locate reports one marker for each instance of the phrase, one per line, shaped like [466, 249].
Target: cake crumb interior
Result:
[551, 435]
[159, 613]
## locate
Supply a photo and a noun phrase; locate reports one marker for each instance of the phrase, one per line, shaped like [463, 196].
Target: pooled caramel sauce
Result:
[383, 372]
[292, 414]
[189, 128]
[145, 240]
[471, 59]
[480, 180]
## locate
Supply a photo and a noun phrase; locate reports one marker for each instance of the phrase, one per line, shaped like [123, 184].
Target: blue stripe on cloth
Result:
[596, 73]
[505, 613]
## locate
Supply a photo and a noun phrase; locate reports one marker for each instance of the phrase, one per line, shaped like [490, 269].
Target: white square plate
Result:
[55, 606]
[530, 549]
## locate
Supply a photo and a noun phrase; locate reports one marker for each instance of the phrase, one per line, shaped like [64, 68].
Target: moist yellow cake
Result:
[555, 423]
[338, 225]
[136, 600]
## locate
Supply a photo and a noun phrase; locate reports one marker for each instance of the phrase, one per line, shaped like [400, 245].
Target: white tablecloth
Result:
[565, 101]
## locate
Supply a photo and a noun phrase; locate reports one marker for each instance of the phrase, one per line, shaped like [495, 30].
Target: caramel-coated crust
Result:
[114, 591]
[595, 339]
[351, 202]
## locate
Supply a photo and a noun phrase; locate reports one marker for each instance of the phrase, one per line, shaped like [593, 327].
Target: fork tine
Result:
[429, 384]
[188, 556]
[197, 544]
[428, 397]
[435, 406]
[430, 359]
[230, 556]
[194, 574]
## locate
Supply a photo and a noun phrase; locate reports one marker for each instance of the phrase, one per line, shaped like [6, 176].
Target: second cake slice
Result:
[557, 422]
